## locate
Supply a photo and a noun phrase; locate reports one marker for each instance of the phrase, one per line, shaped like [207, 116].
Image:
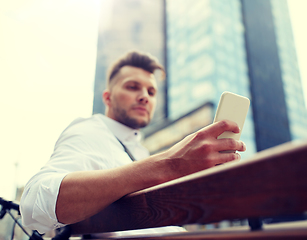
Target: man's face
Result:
[131, 99]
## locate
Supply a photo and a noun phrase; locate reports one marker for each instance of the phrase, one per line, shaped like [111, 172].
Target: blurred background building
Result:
[275, 84]
[208, 47]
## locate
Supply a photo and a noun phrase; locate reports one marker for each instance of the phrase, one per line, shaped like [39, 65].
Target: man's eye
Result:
[151, 93]
[132, 87]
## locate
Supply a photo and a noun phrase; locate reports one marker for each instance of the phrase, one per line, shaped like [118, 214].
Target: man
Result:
[91, 165]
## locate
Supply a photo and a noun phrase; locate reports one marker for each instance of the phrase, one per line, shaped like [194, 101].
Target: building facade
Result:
[278, 102]
[208, 47]
[206, 56]
[290, 74]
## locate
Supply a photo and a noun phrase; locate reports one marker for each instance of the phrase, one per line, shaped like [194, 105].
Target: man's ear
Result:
[106, 97]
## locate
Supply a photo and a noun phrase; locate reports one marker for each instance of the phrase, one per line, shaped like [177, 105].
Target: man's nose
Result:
[143, 96]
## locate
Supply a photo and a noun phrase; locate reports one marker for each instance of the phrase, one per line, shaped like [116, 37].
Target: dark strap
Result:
[62, 233]
[127, 151]
[88, 236]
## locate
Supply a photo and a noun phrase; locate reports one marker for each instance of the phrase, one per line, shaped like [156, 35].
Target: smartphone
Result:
[232, 107]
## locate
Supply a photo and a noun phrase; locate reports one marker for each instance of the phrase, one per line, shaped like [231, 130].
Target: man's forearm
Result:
[83, 194]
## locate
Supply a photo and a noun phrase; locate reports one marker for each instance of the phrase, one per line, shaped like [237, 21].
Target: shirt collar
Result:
[121, 131]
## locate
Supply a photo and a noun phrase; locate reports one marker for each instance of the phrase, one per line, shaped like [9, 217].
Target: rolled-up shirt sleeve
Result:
[39, 201]
[86, 144]
[80, 147]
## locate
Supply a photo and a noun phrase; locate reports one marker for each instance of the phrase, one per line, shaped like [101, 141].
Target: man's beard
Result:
[122, 117]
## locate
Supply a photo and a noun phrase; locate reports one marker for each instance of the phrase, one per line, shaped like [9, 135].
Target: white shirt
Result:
[86, 144]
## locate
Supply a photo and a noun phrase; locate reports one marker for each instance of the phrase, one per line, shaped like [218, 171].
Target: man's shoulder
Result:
[92, 124]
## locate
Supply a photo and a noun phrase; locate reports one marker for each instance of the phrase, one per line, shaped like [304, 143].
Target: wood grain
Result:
[272, 183]
[297, 230]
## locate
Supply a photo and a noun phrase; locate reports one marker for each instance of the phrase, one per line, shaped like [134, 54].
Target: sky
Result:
[48, 60]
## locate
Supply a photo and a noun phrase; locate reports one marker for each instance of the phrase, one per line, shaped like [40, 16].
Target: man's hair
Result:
[137, 59]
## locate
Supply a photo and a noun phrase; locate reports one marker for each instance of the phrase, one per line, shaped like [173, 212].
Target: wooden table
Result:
[271, 183]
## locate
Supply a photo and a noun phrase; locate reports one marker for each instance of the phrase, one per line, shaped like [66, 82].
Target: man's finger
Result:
[227, 144]
[216, 129]
[221, 158]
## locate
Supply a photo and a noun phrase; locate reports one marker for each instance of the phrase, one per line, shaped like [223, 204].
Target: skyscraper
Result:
[278, 102]
[206, 56]
[290, 73]
[245, 47]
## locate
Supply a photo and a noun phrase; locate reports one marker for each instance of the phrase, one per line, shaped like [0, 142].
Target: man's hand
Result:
[202, 149]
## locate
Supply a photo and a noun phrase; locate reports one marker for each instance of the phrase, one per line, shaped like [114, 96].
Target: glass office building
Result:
[206, 56]
[219, 45]
[276, 89]
[294, 97]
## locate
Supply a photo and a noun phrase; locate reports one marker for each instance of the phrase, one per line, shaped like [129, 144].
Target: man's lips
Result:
[141, 109]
